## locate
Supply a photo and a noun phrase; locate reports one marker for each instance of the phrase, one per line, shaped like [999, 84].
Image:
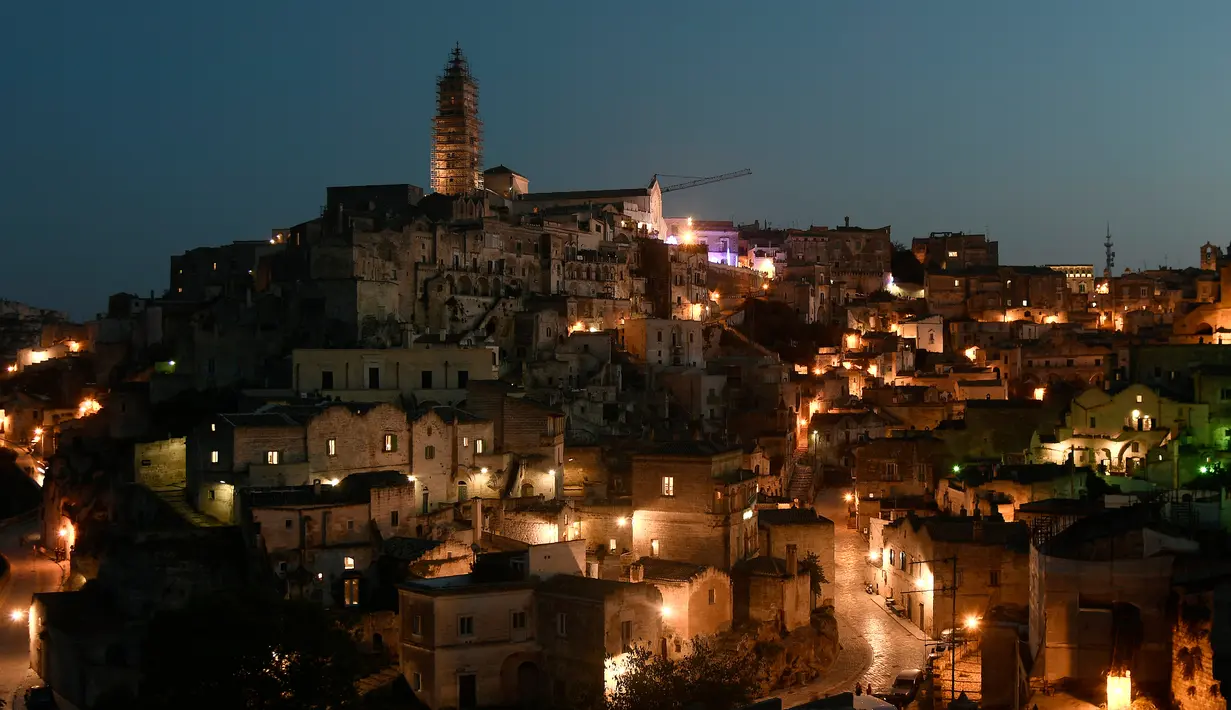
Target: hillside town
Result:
[513, 446]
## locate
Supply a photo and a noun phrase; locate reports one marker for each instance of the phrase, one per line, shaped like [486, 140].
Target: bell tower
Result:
[457, 132]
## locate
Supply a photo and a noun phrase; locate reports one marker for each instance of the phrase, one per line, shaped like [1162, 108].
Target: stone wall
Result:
[393, 509]
[159, 464]
[1193, 683]
[358, 441]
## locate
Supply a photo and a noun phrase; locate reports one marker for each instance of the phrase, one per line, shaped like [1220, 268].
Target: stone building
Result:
[955, 250]
[809, 532]
[1098, 598]
[696, 600]
[457, 145]
[476, 639]
[321, 539]
[662, 343]
[292, 445]
[693, 501]
[585, 625]
[529, 432]
[843, 250]
[899, 466]
[425, 371]
[915, 568]
[773, 590]
[454, 457]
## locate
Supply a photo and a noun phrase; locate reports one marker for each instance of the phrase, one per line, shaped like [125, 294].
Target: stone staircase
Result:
[176, 498]
[376, 681]
[801, 485]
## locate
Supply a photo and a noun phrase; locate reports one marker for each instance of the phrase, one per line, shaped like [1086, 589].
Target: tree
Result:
[708, 677]
[811, 563]
[252, 652]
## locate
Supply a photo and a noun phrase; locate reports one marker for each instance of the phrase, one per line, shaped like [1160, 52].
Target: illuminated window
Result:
[952, 255]
[479, 446]
[348, 563]
[331, 447]
[465, 441]
[350, 592]
[213, 427]
[668, 485]
[611, 544]
[956, 282]
[654, 547]
[271, 458]
[213, 457]
[1138, 398]
[391, 443]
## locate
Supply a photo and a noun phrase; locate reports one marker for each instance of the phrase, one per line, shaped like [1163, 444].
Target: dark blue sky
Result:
[133, 130]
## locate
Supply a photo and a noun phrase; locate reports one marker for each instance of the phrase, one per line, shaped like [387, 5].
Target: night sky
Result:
[133, 130]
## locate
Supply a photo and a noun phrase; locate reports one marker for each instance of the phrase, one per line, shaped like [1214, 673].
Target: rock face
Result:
[793, 658]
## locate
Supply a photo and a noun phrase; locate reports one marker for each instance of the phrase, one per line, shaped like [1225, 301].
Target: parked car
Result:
[956, 636]
[40, 698]
[905, 687]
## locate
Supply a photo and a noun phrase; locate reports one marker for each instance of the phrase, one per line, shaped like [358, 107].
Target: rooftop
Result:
[670, 570]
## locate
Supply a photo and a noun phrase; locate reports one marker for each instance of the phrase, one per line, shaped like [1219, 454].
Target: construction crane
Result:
[697, 182]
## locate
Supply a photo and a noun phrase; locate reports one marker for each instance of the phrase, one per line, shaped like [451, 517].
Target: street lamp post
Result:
[952, 589]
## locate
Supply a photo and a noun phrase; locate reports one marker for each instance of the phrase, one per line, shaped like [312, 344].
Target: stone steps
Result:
[176, 498]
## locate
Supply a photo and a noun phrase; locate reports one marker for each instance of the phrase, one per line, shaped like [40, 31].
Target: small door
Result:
[467, 694]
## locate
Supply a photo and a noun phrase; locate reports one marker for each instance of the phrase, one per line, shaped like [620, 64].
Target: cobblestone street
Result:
[875, 644]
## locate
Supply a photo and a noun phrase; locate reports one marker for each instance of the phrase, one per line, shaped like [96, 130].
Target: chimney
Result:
[848, 221]
[792, 560]
[316, 488]
[636, 573]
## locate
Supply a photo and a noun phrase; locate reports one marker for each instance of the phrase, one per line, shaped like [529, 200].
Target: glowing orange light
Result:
[1119, 691]
[971, 352]
[88, 406]
[1039, 392]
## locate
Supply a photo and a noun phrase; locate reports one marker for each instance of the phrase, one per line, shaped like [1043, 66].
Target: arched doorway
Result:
[527, 490]
[529, 685]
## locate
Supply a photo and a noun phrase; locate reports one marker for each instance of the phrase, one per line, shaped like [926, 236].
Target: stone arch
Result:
[521, 680]
[527, 490]
[484, 286]
[497, 286]
[465, 286]
[1204, 329]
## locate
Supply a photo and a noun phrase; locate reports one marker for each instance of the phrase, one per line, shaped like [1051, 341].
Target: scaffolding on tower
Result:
[457, 132]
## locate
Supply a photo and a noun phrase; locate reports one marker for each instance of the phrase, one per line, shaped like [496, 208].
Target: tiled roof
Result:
[408, 549]
[792, 516]
[597, 195]
[669, 570]
[265, 420]
[582, 587]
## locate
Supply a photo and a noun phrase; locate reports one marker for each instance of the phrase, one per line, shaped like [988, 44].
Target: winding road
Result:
[29, 573]
[876, 645]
